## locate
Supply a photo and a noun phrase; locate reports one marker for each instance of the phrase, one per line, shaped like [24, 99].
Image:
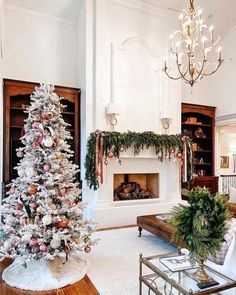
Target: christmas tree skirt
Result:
[43, 275]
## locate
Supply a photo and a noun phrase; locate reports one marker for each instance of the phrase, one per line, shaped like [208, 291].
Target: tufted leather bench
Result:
[156, 226]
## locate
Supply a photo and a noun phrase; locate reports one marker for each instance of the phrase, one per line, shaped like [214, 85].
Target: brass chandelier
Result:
[190, 46]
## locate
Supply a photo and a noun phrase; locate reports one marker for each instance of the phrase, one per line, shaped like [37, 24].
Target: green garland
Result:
[202, 224]
[115, 142]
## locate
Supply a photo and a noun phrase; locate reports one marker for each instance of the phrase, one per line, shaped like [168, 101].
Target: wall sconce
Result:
[113, 110]
[165, 120]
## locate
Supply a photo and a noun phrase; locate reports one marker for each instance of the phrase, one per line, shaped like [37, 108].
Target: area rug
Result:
[114, 262]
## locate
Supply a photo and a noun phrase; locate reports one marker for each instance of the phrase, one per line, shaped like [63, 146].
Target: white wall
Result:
[218, 90]
[39, 47]
[129, 39]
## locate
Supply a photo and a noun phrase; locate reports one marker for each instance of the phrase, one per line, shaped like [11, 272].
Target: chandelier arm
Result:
[182, 75]
[200, 72]
[213, 72]
[173, 78]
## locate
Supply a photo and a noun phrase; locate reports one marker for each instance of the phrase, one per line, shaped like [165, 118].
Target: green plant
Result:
[201, 226]
[113, 143]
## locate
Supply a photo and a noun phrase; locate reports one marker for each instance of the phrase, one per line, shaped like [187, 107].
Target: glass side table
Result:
[160, 280]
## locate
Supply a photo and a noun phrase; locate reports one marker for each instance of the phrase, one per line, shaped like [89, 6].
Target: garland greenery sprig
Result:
[201, 226]
[104, 144]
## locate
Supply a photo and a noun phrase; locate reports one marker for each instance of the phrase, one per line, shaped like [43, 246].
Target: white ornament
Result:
[55, 243]
[47, 141]
[21, 172]
[7, 245]
[26, 237]
[53, 206]
[9, 220]
[30, 172]
[47, 219]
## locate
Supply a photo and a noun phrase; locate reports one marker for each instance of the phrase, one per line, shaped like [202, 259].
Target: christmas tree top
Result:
[42, 216]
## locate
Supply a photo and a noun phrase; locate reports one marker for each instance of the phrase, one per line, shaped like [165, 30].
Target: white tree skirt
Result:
[43, 275]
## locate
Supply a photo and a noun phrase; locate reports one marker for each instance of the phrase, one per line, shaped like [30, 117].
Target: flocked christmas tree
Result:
[42, 216]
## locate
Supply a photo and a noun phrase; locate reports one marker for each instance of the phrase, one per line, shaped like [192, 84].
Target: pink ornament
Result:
[43, 248]
[57, 142]
[46, 167]
[12, 190]
[19, 154]
[19, 207]
[24, 220]
[35, 125]
[33, 205]
[62, 191]
[33, 242]
[87, 249]
[36, 144]
[41, 93]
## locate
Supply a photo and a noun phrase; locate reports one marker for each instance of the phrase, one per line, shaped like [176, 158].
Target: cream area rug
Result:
[114, 261]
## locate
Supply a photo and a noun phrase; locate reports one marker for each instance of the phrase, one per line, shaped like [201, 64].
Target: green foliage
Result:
[201, 226]
[162, 145]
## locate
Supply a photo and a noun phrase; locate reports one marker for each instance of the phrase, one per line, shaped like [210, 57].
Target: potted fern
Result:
[201, 226]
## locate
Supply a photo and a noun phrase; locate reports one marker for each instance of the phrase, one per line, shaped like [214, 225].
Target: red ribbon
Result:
[101, 158]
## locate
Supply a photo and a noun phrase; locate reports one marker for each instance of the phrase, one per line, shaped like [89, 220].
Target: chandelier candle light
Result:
[190, 47]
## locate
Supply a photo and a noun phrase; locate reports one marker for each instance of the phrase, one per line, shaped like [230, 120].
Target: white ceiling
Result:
[220, 13]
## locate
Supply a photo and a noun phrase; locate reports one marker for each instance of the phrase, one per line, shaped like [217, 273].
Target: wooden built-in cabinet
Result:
[198, 122]
[16, 98]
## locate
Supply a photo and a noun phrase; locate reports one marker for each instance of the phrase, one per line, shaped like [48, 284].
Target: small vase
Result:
[200, 274]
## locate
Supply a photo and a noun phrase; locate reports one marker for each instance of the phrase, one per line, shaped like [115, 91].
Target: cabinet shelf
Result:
[198, 125]
[203, 159]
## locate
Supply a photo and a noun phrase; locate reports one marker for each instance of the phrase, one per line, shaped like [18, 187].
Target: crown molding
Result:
[226, 120]
[146, 7]
[39, 14]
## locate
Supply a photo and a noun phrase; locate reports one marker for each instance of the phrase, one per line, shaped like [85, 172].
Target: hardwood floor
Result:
[83, 287]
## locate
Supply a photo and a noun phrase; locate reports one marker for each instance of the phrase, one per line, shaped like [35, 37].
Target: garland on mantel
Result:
[102, 145]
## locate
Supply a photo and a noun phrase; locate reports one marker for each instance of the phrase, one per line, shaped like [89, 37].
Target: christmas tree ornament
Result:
[19, 154]
[62, 191]
[19, 206]
[86, 239]
[43, 248]
[7, 245]
[39, 209]
[55, 243]
[26, 238]
[46, 117]
[178, 155]
[62, 224]
[33, 242]
[36, 145]
[30, 172]
[21, 172]
[46, 167]
[47, 219]
[35, 125]
[12, 190]
[32, 190]
[122, 149]
[9, 220]
[87, 249]
[75, 235]
[2, 234]
[47, 141]
[67, 248]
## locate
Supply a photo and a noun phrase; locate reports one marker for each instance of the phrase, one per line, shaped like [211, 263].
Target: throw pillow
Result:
[219, 258]
[232, 195]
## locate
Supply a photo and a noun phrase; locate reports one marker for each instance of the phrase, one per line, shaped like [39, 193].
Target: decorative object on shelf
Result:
[224, 162]
[194, 147]
[201, 172]
[187, 133]
[105, 144]
[194, 41]
[201, 226]
[201, 161]
[200, 133]
[192, 120]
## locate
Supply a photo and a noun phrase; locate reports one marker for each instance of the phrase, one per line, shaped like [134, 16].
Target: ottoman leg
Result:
[140, 231]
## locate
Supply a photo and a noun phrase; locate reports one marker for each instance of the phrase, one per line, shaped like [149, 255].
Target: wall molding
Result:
[146, 8]
[39, 14]
[226, 120]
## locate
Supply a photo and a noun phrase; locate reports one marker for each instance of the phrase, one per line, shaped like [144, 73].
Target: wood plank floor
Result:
[83, 287]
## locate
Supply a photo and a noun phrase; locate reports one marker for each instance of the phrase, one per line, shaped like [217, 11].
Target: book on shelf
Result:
[176, 263]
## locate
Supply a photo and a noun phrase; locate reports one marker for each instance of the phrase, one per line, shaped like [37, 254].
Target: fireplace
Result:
[137, 186]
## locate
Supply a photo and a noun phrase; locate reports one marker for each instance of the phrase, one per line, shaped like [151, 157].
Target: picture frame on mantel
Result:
[224, 162]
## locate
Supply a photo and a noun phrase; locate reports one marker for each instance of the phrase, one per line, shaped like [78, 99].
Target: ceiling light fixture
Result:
[191, 46]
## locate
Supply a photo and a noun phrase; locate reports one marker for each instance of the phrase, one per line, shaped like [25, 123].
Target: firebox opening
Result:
[135, 186]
